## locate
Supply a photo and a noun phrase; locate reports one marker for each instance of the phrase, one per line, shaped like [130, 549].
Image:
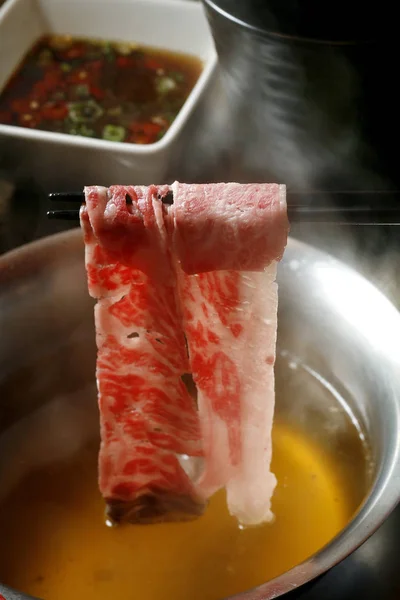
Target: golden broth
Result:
[57, 539]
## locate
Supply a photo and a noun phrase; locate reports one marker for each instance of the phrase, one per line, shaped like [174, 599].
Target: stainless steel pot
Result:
[330, 317]
[303, 82]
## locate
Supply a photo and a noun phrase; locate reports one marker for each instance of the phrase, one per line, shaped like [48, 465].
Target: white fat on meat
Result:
[222, 242]
[232, 353]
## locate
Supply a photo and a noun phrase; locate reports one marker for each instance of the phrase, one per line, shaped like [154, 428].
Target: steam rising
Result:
[286, 112]
[279, 112]
[290, 112]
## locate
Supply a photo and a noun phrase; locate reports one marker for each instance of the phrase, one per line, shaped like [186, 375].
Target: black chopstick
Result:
[63, 215]
[378, 210]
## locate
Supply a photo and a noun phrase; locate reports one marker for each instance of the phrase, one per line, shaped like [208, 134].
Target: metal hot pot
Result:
[330, 317]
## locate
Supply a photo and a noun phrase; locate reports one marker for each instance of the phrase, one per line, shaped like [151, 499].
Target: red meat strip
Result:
[229, 226]
[230, 320]
[147, 416]
[203, 270]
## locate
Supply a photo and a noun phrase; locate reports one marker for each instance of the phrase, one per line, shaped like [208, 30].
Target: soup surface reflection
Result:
[52, 516]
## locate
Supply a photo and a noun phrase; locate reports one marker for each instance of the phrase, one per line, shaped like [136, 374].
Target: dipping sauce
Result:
[113, 91]
[57, 539]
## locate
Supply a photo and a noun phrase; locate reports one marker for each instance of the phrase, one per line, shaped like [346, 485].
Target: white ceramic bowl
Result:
[61, 160]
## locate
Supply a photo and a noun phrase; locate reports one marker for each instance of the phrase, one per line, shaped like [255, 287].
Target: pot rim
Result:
[280, 36]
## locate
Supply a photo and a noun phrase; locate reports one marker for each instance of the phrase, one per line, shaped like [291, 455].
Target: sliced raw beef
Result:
[147, 415]
[202, 269]
[229, 226]
[230, 321]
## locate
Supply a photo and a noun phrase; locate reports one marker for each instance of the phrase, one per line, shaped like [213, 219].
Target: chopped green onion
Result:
[164, 85]
[113, 133]
[84, 112]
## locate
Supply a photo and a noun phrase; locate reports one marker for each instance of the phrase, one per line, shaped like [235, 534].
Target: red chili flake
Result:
[126, 62]
[96, 92]
[143, 133]
[150, 63]
[54, 111]
[39, 91]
